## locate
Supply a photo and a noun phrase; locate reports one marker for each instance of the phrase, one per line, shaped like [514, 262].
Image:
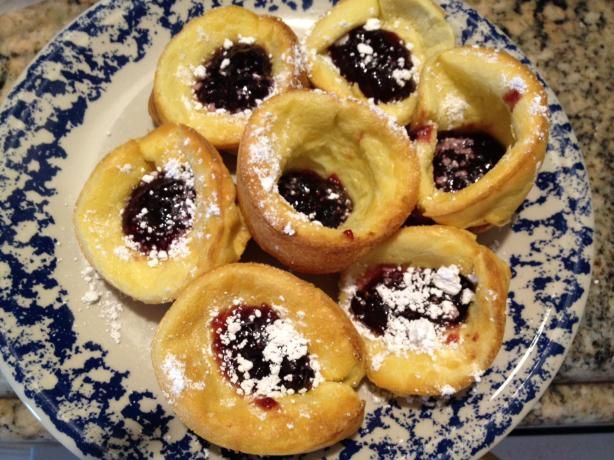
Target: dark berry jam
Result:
[349, 234]
[511, 98]
[266, 403]
[236, 78]
[322, 200]
[377, 61]
[462, 158]
[421, 133]
[241, 335]
[158, 212]
[371, 309]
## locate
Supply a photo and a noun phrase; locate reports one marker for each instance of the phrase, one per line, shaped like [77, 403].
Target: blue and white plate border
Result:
[551, 263]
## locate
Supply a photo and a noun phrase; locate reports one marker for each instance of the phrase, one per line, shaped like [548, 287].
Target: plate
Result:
[84, 369]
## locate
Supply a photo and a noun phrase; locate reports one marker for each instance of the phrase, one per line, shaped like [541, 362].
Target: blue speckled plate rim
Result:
[43, 407]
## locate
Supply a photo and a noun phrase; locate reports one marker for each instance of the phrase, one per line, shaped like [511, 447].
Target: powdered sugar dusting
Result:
[447, 390]
[175, 372]
[285, 76]
[282, 344]
[372, 24]
[422, 293]
[390, 120]
[366, 50]
[377, 360]
[454, 108]
[246, 40]
[199, 72]
[402, 76]
[97, 296]
[516, 83]
[289, 229]
[264, 161]
[176, 169]
[419, 335]
[213, 210]
[184, 75]
[416, 295]
[91, 296]
[538, 106]
[262, 152]
[296, 59]
[125, 168]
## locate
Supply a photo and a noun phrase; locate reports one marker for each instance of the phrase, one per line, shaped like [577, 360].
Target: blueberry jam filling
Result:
[377, 61]
[236, 78]
[320, 199]
[160, 210]
[388, 292]
[462, 158]
[262, 354]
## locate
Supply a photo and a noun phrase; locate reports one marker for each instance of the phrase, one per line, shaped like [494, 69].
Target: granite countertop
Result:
[570, 42]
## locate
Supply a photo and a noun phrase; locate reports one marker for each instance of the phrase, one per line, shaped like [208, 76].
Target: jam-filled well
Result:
[159, 211]
[261, 354]
[462, 158]
[321, 199]
[377, 61]
[236, 77]
[385, 292]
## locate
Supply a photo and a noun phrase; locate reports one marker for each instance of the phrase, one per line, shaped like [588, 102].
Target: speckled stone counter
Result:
[18, 424]
[570, 41]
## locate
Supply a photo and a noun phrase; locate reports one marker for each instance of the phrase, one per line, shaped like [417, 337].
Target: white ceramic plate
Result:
[85, 370]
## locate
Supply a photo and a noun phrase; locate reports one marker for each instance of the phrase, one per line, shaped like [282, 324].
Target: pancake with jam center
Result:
[429, 305]
[253, 359]
[481, 132]
[323, 179]
[157, 212]
[219, 68]
[375, 50]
